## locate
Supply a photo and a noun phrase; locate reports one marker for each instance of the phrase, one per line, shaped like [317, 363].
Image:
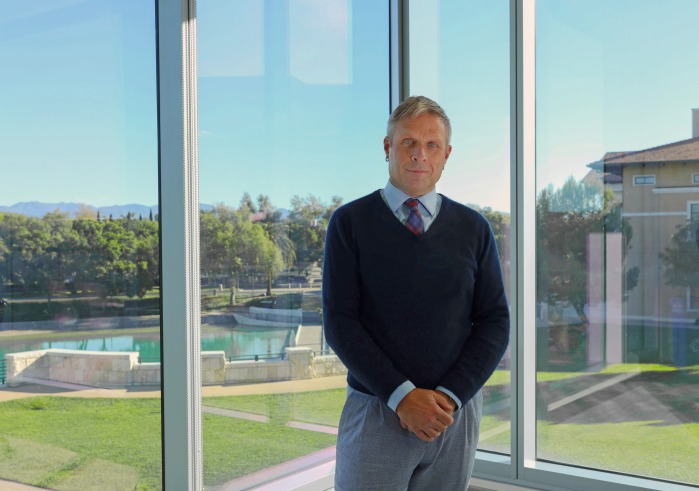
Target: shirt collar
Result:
[395, 198]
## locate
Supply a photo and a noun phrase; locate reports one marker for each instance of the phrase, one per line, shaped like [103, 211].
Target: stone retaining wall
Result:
[122, 369]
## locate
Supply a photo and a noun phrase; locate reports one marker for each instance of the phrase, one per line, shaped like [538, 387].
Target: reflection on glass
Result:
[617, 239]
[79, 265]
[459, 56]
[293, 102]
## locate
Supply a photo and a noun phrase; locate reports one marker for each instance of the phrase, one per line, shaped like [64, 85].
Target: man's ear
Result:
[446, 156]
[386, 145]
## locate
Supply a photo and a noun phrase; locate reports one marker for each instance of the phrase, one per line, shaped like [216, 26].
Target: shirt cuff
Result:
[451, 394]
[398, 394]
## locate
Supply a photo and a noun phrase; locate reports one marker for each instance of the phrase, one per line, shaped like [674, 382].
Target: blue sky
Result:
[294, 101]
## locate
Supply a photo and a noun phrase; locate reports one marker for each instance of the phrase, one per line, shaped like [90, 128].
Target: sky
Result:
[293, 100]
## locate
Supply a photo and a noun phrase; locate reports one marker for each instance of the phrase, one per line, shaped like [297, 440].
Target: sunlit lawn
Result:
[73, 443]
[76, 444]
[321, 407]
[115, 437]
[646, 448]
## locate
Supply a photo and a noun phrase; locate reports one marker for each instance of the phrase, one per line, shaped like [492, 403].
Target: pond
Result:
[237, 343]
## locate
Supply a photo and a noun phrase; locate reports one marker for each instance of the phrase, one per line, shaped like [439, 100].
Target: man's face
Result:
[417, 154]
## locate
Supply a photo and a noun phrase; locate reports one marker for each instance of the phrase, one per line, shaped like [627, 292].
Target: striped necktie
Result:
[414, 222]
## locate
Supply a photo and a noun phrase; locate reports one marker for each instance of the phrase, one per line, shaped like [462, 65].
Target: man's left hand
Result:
[426, 413]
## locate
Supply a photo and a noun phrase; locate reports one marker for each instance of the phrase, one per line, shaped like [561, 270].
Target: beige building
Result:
[658, 189]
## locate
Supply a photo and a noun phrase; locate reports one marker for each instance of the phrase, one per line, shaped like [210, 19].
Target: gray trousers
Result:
[375, 452]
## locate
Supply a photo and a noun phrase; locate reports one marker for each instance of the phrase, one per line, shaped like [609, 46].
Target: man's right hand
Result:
[426, 413]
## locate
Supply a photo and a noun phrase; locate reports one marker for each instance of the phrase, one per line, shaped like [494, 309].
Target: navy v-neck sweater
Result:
[430, 309]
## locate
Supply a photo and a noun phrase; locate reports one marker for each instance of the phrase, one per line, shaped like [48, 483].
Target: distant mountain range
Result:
[37, 209]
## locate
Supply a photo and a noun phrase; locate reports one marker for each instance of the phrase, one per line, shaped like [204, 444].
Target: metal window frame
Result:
[398, 52]
[179, 250]
[643, 177]
[179, 215]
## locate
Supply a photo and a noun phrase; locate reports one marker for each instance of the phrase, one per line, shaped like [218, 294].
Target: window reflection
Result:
[459, 56]
[289, 130]
[617, 249]
[79, 246]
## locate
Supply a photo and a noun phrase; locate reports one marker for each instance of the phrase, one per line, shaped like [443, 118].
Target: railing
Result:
[3, 370]
[281, 356]
[266, 356]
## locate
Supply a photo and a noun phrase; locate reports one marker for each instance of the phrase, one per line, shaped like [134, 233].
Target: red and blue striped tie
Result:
[414, 222]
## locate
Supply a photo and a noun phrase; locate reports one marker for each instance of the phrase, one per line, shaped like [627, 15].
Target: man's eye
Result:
[432, 145]
[408, 141]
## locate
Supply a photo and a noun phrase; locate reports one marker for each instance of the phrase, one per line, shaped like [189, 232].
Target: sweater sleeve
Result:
[489, 330]
[342, 325]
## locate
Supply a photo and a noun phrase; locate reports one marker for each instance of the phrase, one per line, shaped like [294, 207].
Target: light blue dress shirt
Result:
[430, 204]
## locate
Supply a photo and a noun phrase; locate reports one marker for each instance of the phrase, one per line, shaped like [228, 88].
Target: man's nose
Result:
[419, 153]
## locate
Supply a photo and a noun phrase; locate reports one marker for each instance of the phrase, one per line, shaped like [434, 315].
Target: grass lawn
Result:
[79, 444]
[320, 407]
[67, 437]
[645, 448]
[235, 447]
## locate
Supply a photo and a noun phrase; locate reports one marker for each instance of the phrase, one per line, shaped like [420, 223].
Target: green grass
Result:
[646, 448]
[235, 447]
[321, 407]
[79, 444]
[73, 443]
[91, 433]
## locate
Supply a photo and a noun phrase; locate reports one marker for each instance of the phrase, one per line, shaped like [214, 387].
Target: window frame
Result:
[181, 390]
[690, 306]
[691, 213]
[179, 215]
[643, 177]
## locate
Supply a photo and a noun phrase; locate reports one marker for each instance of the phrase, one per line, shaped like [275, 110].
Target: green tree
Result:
[234, 246]
[681, 258]
[86, 252]
[308, 223]
[221, 243]
[500, 223]
[246, 203]
[146, 256]
[565, 218]
[116, 268]
[55, 264]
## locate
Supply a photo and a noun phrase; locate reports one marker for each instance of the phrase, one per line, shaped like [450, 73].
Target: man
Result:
[414, 306]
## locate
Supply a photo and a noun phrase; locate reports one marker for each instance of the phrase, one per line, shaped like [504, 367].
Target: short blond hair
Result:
[414, 106]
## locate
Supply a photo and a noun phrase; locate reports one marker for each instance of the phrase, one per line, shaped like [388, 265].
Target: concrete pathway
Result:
[74, 390]
[15, 486]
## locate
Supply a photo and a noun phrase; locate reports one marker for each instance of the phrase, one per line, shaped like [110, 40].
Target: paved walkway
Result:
[15, 486]
[73, 390]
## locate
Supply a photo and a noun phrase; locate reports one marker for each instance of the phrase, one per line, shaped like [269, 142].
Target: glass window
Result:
[695, 178]
[79, 246]
[293, 103]
[644, 180]
[459, 56]
[693, 305]
[614, 262]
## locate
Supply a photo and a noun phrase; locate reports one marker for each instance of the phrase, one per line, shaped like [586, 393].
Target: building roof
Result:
[681, 151]
[611, 164]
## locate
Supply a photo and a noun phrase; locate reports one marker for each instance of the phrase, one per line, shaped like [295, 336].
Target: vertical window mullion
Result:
[181, 349]
[398, 52]
[526, 235]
